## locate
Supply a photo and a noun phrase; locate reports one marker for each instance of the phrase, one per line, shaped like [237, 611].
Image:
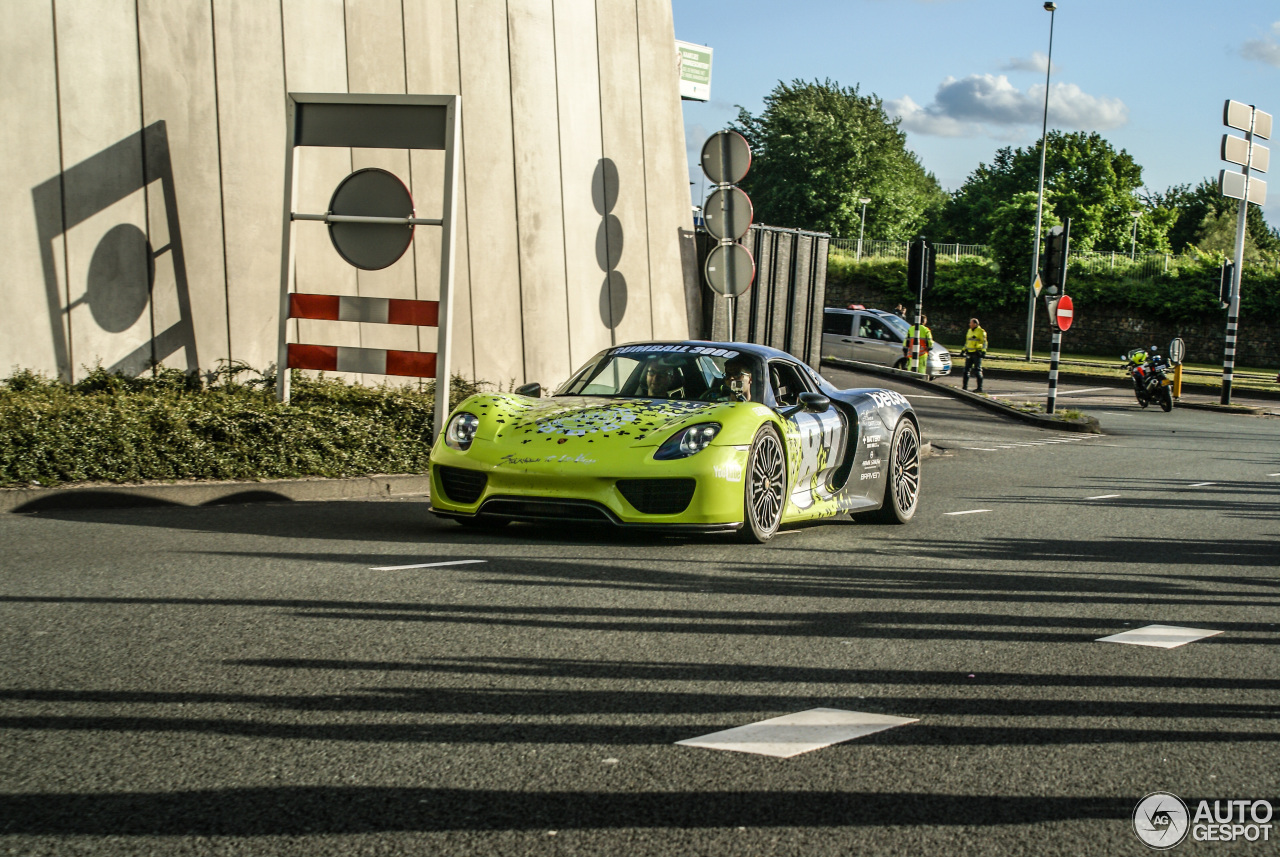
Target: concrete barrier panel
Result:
[315, 49]
[251, 124]
[33, 332]
[105, 217]
[490, 188]
[431, 56]
[578, 88]
[184, 211]
[666, 179]
[627, 297]
[376, 64]
[540, 219]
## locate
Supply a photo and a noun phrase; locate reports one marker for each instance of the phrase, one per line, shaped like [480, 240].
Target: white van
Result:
[874, 336]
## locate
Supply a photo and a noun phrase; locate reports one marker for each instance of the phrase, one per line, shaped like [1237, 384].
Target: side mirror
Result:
[813, 403]
[533, 390]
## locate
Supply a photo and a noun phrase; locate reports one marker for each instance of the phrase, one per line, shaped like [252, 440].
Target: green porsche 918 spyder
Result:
[702, 436]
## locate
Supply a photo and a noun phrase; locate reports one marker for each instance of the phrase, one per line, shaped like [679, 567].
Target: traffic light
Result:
[922, 265]
[1225, 282]
[1054, 274]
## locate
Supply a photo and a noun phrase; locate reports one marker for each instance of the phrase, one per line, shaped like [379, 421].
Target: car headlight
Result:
[687, 442]
[461, 431]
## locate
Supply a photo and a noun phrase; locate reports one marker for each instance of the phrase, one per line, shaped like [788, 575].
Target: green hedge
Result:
[175, 426]
[1183, 294]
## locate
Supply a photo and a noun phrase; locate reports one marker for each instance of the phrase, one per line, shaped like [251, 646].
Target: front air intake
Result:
[460, 485]
[658, 496]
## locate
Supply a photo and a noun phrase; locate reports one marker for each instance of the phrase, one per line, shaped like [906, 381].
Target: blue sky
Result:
[968, 75]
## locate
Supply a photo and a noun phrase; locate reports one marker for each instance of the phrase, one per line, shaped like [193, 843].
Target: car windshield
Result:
[699, 373]
[898, 324]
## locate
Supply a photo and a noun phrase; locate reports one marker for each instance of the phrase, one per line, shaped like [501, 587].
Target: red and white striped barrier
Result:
[374, 361]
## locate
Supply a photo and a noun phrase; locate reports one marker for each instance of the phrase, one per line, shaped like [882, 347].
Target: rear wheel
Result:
[1166, 400]
[765, 488]
[1142, 399]
[902, 490]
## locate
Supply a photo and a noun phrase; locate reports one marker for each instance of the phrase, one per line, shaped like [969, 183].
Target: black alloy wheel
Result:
[902, 490]
[765, 490]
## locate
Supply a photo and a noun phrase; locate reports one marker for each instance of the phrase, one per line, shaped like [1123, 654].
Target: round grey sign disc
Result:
[728, 213]
[1177, 350]
[726, 157]
[730, 269]
[371, 192]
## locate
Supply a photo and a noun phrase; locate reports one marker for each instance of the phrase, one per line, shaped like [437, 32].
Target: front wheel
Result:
[1166, 400]
[902, 490]
[765, 488]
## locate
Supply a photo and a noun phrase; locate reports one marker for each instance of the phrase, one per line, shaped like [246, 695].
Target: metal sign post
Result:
[1248, 154]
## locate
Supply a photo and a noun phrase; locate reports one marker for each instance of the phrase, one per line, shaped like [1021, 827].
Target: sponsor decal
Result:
[871, 462]
[888, 398]
[731, 472]
[872, 440]
[568, 459]
[588, 422]
[511, 459]
[874, 474]
[682, 349]
[761, 411]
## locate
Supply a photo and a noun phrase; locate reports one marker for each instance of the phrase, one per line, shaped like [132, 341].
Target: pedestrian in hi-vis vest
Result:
[975, 348]
[919, 342]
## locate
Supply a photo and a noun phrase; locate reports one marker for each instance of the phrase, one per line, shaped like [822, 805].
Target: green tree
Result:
[1090, 182]
[819, 147]
[1201, 214]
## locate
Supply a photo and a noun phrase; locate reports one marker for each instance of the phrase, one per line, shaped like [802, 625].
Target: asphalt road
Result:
[268, 679]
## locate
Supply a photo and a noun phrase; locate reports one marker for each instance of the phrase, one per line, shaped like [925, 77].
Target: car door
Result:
[837, 334]
[815, 442]
[879, 342]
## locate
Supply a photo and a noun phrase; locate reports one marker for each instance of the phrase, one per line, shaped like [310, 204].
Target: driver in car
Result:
[661, 378]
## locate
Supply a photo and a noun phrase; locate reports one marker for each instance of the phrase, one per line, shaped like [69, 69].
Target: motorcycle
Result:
[1150, 373]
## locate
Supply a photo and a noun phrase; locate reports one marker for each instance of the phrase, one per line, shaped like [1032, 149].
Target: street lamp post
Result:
[1133, 245]
[863, 227]
[1051, 8]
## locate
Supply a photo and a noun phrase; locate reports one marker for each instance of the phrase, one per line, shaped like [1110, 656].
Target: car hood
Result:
[582, 421]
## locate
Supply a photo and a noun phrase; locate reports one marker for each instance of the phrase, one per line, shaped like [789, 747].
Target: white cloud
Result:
[1264, 50]
[1037, 62]
[985, 104]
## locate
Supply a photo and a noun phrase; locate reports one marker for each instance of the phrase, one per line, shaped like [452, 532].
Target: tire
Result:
[1166, 400]
[764, 491]
[902, 488]
[1142, 400]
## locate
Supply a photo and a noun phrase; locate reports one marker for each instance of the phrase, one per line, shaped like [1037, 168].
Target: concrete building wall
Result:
[144, 173]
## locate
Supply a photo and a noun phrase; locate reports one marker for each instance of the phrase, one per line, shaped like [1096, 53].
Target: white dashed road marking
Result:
[1199, 484]
[428, 564]
[1103, 497]
[1159, 636]
[969, 512]
[793, 734]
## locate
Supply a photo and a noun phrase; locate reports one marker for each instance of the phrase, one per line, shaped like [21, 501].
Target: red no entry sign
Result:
[1063, 312]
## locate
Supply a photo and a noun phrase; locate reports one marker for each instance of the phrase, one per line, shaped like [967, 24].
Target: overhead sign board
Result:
[1231, 183]
[693, 63]
[1236, 114]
